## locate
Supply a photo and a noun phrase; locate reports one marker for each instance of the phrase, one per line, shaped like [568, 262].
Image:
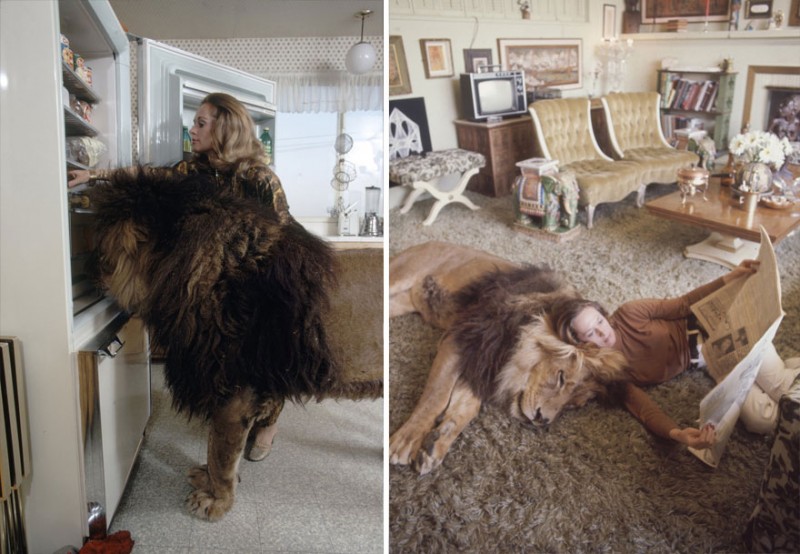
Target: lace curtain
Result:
[329, 92]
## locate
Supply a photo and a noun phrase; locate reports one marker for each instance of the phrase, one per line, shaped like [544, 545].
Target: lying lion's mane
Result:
[233, 296]
[490, 313]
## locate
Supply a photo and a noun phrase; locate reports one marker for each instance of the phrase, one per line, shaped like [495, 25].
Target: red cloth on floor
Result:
[118, 543]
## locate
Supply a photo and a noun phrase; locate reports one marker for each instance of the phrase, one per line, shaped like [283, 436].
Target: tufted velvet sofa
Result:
[563, 132]
[634, 127]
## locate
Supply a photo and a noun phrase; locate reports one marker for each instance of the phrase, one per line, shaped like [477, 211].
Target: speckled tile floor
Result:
[319, 491]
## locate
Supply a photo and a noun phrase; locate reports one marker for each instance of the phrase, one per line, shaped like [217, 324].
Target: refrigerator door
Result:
[172, 84]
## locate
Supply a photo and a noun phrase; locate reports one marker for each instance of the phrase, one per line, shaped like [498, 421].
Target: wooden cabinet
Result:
[503, 144]
[700, 99]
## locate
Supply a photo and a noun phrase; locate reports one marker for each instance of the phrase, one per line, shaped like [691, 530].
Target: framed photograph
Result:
[758, 9]
[437, 57]
[655, 11]
[398, 68]
[609, 21]
[553, 63]
[476, 58]
[794, 14]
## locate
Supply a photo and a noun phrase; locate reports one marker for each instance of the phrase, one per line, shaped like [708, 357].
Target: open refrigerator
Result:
[87, 366]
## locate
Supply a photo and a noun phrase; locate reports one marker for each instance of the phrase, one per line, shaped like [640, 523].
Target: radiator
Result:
[15, 442]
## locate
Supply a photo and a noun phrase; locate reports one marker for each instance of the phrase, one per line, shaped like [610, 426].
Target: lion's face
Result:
[546, 375]
[553, 385]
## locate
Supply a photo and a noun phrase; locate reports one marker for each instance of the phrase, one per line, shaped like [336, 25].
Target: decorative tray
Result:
[777, 202]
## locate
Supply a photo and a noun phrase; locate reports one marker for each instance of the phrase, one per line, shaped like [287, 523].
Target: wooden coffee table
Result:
[734, 236]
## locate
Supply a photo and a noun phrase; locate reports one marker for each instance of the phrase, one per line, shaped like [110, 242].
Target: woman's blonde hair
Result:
[234, 146]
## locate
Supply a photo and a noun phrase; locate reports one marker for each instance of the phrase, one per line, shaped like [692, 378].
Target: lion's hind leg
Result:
[262, 434]
[216, 482]
[463, 408]
[407, 440]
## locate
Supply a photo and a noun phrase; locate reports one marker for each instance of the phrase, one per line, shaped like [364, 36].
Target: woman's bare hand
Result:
[77, 177]
[696, 438]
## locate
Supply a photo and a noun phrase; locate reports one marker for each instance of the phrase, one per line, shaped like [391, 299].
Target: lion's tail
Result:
[353, 390]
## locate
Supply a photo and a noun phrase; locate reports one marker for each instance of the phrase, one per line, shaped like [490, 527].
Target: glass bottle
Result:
[187, 140]
[266, 142]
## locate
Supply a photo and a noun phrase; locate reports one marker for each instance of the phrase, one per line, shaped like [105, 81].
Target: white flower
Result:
[760, 146]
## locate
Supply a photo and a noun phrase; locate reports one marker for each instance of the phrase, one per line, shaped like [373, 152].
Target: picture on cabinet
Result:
[654, 11]
[437, 57]
[551, 63]
[476, 58]
[399, 82]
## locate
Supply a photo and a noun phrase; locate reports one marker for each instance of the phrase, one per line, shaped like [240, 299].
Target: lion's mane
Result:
[233, 297]
[491, 313]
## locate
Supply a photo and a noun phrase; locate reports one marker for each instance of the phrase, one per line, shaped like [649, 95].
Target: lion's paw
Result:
[198, 477]
[204, 505]
[428, 457]
[403, 444]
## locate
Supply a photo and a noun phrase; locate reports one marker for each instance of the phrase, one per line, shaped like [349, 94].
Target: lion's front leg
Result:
[463, 408]
[226, 439]
[406, 441]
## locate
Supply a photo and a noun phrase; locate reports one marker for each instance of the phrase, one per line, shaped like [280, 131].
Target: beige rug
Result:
[596, 481]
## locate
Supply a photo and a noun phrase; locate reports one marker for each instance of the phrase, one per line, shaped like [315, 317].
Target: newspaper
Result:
[741, 319]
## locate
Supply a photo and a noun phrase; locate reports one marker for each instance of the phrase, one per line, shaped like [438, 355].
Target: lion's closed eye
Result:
[561, 379]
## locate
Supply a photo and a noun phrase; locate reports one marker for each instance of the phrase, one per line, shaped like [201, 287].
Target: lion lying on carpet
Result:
[499, 346]
[248, 311]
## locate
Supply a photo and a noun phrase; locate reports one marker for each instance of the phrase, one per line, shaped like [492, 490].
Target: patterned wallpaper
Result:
[265, 56]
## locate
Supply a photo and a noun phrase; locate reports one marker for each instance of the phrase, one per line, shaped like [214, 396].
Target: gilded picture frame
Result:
[437, 57]
[547, 63]
[659, 11]
[399, 82]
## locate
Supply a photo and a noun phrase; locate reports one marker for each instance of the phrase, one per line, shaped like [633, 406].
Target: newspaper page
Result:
[741, 319]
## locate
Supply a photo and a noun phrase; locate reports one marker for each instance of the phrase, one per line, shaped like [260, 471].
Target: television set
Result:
[493, 95]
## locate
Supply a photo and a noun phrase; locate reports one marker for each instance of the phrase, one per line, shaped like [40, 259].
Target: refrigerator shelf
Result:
[78, 86]
[76, 126]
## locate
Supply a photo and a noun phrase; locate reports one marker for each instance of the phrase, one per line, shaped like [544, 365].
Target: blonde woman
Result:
[224, 145]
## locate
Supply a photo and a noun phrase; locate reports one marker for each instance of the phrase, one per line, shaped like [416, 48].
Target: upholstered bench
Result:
[424, 174]
[633, 121]
[563, 132]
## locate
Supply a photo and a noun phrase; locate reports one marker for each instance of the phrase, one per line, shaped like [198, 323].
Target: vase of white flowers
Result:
[759, 154]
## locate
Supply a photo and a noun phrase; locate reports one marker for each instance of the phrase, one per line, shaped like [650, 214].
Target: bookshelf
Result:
[697, 98]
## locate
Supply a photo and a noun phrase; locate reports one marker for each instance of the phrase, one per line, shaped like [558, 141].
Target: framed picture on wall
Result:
[476, 58]
[609, 21]
[553, 63]
[398, 68]
[794, 14]
[654, 11]
[437, 57]
[758, 9]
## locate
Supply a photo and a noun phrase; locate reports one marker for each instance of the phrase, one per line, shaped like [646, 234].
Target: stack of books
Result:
[690, 96]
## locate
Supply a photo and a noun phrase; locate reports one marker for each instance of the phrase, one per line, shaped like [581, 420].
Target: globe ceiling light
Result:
[361, 56]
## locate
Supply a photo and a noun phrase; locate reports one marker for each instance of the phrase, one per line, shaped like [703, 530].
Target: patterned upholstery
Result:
[774, 525]
[634, 125]
[414, 168]
[563, 130]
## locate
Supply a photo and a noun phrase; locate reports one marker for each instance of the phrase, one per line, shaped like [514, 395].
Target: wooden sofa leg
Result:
[590, 216]
[640, 196]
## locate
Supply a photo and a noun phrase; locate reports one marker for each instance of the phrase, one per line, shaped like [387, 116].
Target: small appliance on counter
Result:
[372, 226]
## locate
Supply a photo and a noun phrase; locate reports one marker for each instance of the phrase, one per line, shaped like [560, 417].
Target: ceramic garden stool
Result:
[424, 172]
